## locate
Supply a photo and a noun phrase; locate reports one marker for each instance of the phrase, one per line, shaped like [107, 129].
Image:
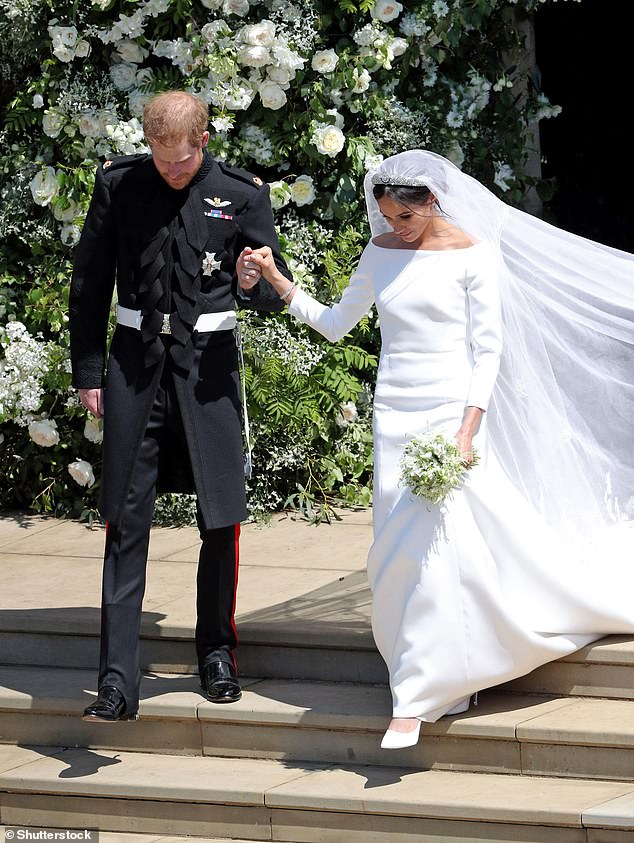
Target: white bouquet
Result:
[432, 466]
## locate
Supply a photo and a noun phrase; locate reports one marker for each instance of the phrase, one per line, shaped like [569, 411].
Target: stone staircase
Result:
[548, 758]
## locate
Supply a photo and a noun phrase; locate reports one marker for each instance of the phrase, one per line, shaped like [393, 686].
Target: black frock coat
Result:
[169, 251]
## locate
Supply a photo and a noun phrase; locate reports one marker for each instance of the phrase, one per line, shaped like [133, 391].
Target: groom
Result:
[168, 227]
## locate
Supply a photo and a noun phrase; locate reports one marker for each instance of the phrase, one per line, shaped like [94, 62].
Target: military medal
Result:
[210, 264]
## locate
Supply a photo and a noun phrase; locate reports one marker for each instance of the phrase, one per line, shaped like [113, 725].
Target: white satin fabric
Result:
[481, 589]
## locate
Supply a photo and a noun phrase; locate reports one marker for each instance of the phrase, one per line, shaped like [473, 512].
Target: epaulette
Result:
[241, 175]
[122, 161]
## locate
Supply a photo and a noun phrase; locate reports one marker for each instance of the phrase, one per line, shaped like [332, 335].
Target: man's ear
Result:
[205, 140]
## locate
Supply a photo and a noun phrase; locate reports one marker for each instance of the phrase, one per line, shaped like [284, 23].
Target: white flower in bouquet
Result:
[44, 186]
[348, 414]
[93, 430]
[280, 194]
[272, 95]
[44, 432]
[53, 121]
[260, 34]
[38, 101]
[303, 190]
[432, 466]
[362, 80]
[254, 56]
[123, 75]
[70, 235]
[324, 61]
[398, 46]
[386, 10]
[82, 473]
[240, 8]
[329, 140]
[131, 51]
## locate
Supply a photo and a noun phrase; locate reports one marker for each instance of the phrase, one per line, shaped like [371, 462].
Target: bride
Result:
[517, 338]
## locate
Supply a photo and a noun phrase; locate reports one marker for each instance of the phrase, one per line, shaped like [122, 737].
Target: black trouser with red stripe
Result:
[125, 563]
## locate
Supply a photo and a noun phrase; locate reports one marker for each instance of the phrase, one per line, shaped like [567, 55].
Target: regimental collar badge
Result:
[210, 264]
[217, 202]
[258, 181]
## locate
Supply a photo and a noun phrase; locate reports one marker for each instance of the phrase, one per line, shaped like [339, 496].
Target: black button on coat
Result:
[169, 251]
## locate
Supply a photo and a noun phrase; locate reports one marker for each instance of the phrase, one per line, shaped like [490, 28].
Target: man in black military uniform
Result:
[169, 228]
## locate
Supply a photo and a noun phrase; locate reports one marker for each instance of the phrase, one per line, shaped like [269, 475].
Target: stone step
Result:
[114, 836]
[321, 722]
[258, 799]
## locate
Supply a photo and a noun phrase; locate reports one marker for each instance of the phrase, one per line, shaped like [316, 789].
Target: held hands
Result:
[247, 270]
[254, 264]
[92, 399]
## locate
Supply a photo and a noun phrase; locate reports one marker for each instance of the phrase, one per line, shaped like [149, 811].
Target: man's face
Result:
[178, 163]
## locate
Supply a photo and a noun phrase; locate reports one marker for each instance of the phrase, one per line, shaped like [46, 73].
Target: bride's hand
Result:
[465, 444]
[247, 270]
[468, 430]
[262, 259]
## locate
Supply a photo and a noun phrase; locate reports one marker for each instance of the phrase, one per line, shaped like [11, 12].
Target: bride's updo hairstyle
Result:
[403, 195]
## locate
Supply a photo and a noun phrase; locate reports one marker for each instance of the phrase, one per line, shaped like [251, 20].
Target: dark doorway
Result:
[585, 57]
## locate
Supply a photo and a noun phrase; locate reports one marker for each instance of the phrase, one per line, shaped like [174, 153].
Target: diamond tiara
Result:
[398, 181]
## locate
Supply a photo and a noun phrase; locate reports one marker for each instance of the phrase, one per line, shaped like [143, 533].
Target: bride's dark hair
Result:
[404, 195]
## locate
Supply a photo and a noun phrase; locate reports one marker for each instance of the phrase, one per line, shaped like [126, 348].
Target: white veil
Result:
[562, 412]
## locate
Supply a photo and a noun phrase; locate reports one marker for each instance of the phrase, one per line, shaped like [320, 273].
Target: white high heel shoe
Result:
[400, 740]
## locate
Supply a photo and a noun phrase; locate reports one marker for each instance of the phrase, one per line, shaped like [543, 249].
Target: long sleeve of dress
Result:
[336, 321]
[485, 323]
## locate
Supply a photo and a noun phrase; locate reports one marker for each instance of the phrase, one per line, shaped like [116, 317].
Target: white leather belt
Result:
[206, 322]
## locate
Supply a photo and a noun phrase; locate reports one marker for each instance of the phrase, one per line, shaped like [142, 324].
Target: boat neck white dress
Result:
[478, 590]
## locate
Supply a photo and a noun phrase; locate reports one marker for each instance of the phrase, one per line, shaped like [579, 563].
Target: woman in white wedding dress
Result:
[517, 338]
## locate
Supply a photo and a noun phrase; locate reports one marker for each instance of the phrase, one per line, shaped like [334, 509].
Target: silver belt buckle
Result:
[166, 328]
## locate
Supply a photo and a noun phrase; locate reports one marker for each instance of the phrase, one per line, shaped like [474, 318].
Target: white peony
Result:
[303, 190]
[38, 101]
[260, 34]
[131, 51]
[236, 7]
[44, 433]
[89, 124]
[324, 61]
[93, 430]
[329, 140]
[44, 186]
[281, 75]
[272, 95]
[254, 56]
[386, 10]
[347, 414]
[53, 121]
[215, 29]
[70, 234]
[280, 194]
[81, 472]
[123, 76]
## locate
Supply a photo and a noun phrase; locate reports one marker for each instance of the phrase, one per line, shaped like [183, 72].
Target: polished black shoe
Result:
[108, 707]
[219, 681]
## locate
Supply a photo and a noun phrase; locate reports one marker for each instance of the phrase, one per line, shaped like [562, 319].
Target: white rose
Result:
[38, 101]
[70, 234]
[254, 56]
[260, 34]
[81, 472]
[66, 213]
[236, 7]
[63, 36]
[212, 4]
[272, 95]
[82, 50]
[44, 186]
[131, 52]
[214, 29]
[89, 124]
[303, 190]
[93, 430]
[280, 194]
[123, 76]
[324, 61]
[329, 140]
[386, 10]
[281, 75]
[53, 122]
[44, 433]
[348, 414]
[399, 45]
[372, 161]
[361, 80]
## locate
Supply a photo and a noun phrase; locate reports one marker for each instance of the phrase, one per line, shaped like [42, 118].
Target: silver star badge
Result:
[210, 264]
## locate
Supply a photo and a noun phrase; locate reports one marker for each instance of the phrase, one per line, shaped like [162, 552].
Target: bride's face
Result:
[409, 222]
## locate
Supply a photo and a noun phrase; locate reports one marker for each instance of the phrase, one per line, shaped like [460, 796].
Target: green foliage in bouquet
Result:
[432, 466]
[309, 95]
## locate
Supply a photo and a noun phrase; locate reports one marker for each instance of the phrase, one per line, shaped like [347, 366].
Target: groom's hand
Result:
[247, 270]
